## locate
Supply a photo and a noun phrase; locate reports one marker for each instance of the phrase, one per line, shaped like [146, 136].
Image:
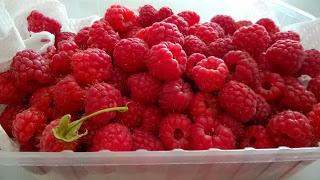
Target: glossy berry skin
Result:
[269, 25]
[314, 117]
[311, 63]
[220, 47]
[120, 17]
[314, 87]
[42, 99]
[147, 15]
[263, 111]
[9, 93]
[226, 22]
[206, 33]
[144, 140]
[217, 28]
[37, 22]
[237, 128]
[192, 60]
[193, 44]
[7, 117]
[203, 104]
[82, 37]
[190, 16]
[61, 36]
[164, 12]
[256, 136]
[285, 35]
[182, 25]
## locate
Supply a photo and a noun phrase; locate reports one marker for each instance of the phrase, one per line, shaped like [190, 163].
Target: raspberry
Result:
[226, 22]
[262, 62]
[7, 117]
[179, 22]
[132, 117]
[192, 44]
[144, 140]
[254, 39]
[238, 100]
[164, 12]
[285, 56]
[67, 45]
[64, 36]
[147, 15]
[314, 117]
[68, 96]
[150, 119]
[291, 81]
[243, 23]
[206, 33]
[216, 27]
[28, 124]
[235, 126]
[129, 54]
[91, 66]
[175, 131]
[257, 137]
[207, 133]
[175, 96]
[167, 61]
[82, 37]
[30, 70]
[9, 93]
[37, 22]
[131, 32]
[119, 80]
[42, 99]
[263, 110]
[291, 129]
[113, 137]
[60, 62]
[314, 87]
[144, 88]
[191, 17]
[193, 59]
[284, 35]
[311, 63]
[210, 74]
[269, 25]
[220, 47]
[51, 51]
[120, 17]
[203, 104]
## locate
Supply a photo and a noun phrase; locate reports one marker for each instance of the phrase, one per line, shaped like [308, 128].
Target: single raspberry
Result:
[226, 22]
[203, 104]
[216, 27]
[119, 80]
[147, 15]
[42, 99]
[284, 35]
[314, 87]
[7, 117]
[28, 124]
[291, 81]
[175, 96]
[150, 120]
[191, 17]
[82, 37]
[262, 62]
[291, 129]
[91, 66]
[311, 63]
[30, 70]
[120, 17]
[210, 74]
[51, 51]
[205, 32]
[243, 23]
[113, 137]
[254, 39]
[179, 22]
[193, 44]
[144, 140]
[129, 54]
[193, 59]
[131, 32]
[38, 22]
[9, 93]
[207, 133]
[60, 62]
[175, 131]
[69, 36]
[314, 117]
[220, 47]
[167, 61]
[67, 45]
[269, 25]
[238, 100]
[132, 117]
[263, 110]
[235, 126]
[164, 12]
[144, 88]
[257, 137]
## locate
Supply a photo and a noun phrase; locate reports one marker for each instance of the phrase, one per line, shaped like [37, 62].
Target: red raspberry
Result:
[28, 124]
[131, 32]
[113, 137]
[179, 22]
[119, 80]
[226, 22]
[207, 133]
[175, 131]
[314, 87]
[314, 117]
[285, 56]
[285, 35]
[175, 96]
[216, 27]
[69, 36]
[129, 54]
[164, 12]
[257, 137]
[82, 37]
[243, 23]
[262, 62]
[220, 47]
[193, 59]
[235, 126]
[37, 22]
[192, 44]
[51, 51]
[42, 99]
[238, 100]
[9, 93]
[68, 96]
[254, 39]
[206, 33]
[150, 120]
[263, 110]
[67, 45]
[269, 25]
[120, 17]
[7, 117]
[191, 17]
[291, 129]
[144, 88]
[167, 61]
[291, 81]
[311, 63]
[210, 74]
[91, 66]
[147, 15]
[144, 140]
[132, 117]
[203, 104]
[30, 70]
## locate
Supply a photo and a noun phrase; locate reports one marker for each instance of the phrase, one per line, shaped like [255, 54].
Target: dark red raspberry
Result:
[120, 17]
[144, 88]
[226, 22]
[30, 70]
[147, 15]
[119, 80]
[113, 137]
[69, 36]
[285, 35]
[235, 126]
[314, 87]
[314, 117]
[210, 74]
[144, 140]
[9, 93]
[271, 86]
[150, 119]
[257, 137]
[207, 133]
[131, 32]
[291, 81]
[42, 99]
[193, 44]
[216, 27]
[262, 62]
[285, 56]
[179, 22]
[193, 59]
[243, 23]
[190, 16]
[311, 63]
[132, 117]
[175, 131]
[269, 25]
[167, 61]
[129, 54]
[7, 117]
[37, 22]
[238, 100]
[263, 110]
[82, 37]
[164, 12]
[291, 129]
[205, 32]
[175, 96]
[220, 47]
[203, 104]
[254, 39]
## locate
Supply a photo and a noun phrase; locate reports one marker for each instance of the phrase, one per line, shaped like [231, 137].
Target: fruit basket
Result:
[248, 163]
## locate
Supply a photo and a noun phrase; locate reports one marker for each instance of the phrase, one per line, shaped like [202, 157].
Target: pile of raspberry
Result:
[188, 85]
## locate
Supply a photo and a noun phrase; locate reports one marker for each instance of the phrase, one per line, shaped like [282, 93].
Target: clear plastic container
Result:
[178, 164]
